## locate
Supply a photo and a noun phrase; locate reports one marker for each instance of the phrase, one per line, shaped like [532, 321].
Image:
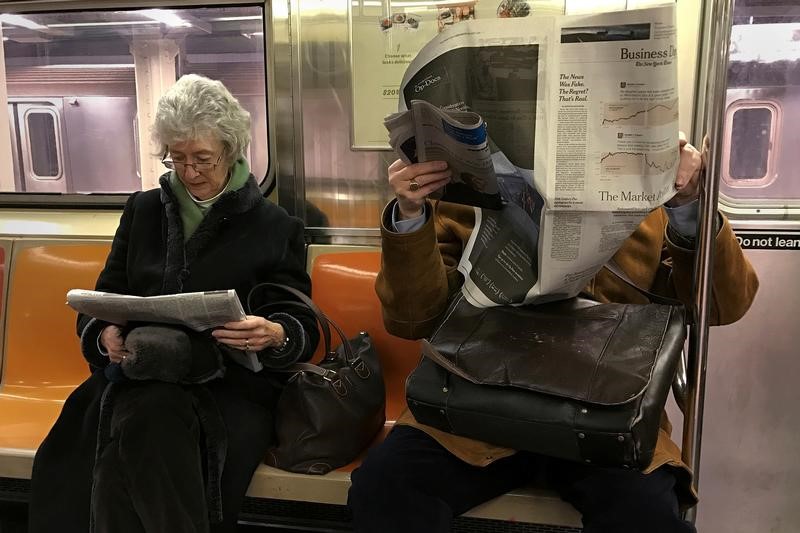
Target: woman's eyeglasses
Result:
[198, 167]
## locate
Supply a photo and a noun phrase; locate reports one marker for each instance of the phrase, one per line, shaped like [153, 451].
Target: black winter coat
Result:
[243, 240]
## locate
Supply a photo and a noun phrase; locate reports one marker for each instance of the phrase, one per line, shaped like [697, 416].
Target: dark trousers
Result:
[411, 483]
[150, 475]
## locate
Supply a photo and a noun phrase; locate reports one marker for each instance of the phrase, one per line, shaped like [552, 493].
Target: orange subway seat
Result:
[42, 361]
[344, 288]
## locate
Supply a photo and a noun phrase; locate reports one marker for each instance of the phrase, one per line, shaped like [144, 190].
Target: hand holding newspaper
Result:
[196, 310]
[427, 133]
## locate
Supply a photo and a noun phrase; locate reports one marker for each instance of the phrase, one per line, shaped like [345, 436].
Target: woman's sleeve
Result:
[113, 278]
[298, 322]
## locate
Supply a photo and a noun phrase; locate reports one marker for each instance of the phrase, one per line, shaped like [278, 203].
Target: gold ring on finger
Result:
[413, 186]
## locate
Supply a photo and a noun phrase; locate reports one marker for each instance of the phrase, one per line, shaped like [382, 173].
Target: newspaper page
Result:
[582, 124]
[196, 310]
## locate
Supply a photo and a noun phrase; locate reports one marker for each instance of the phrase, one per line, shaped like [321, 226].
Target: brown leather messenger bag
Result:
[574, 379]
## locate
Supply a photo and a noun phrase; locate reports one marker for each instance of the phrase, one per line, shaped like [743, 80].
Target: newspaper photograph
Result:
[196, 310]
[581, 120]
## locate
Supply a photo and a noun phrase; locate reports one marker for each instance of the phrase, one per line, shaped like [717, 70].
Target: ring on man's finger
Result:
[413, 186]
[247, 344]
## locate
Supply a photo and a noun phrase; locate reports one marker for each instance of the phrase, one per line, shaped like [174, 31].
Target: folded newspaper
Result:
[195, 310]
[428, 133]
[579, 116]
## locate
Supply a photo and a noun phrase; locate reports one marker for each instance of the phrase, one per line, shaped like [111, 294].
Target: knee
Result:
[384, 496]
[365, 480]
[152, 410]
[634, 503]
[378, 498]
[376, 482]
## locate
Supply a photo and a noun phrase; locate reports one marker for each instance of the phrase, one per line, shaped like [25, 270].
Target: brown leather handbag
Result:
[573, 379]
[328, 412]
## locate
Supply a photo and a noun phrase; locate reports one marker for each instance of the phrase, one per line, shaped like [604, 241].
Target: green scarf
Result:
[192, 213]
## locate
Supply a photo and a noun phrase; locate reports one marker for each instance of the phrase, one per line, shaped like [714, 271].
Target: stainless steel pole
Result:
[709, 118]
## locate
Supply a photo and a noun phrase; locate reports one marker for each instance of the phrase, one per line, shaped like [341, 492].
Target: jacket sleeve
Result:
[733, 284]
[113, 278]
[419, 270]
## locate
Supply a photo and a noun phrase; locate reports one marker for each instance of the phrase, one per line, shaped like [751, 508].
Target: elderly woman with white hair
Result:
[166, 433]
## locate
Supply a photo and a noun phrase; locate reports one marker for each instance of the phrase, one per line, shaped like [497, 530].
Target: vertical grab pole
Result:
[710, 94]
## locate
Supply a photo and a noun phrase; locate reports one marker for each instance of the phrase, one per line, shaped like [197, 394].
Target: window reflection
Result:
[42, 144]
[750, 143]
[95, 69]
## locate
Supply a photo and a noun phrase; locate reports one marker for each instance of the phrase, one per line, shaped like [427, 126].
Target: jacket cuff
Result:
[685, 242]
[409, 225]
[90, 344]
[683, 218]
[425, 232]
[294, 348]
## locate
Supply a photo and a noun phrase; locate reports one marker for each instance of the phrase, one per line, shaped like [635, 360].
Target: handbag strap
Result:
[311, 368]
[324, 322]
[615, 269]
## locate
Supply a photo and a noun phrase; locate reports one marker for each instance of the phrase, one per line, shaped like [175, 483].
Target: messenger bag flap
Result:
[596, 353]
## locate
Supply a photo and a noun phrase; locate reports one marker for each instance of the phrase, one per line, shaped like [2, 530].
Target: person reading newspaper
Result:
[153, 449]
[440, 475]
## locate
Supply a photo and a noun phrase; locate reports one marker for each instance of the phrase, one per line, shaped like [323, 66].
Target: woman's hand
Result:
[112, 342]
[412, 183]
[253, 334]
[687, 182]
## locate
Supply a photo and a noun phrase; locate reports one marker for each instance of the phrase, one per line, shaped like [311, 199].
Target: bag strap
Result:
[311, 368]
[324, 322]
[615, 269]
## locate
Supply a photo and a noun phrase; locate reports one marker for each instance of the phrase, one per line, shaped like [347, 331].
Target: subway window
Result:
[81, 90]
[752, 136]
[760, 167]
[750, 141]
[42, 144]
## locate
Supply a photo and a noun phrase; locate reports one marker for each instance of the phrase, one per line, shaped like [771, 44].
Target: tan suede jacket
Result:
[418, 276]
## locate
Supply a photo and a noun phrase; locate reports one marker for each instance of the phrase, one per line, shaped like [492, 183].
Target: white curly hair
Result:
[197, 106]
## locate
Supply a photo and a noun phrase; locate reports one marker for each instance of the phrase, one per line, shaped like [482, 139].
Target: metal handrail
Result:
[709, 117]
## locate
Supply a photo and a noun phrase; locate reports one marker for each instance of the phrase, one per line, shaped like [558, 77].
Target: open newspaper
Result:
[581, 117]
[195, 310]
